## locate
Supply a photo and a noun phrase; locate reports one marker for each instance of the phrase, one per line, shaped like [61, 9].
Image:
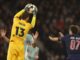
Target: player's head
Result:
[30, 8]
[73, 29]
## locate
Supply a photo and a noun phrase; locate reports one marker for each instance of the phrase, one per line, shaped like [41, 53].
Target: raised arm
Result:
[56, 38]
[19, 13]
[6, 38]
[3, 35]
[35, 36]
[53, 38]
[33, 22]
[61, 34]
[25, 9]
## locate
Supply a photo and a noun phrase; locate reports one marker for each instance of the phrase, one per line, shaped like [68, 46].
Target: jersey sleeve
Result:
[33, 22]
[16, 17]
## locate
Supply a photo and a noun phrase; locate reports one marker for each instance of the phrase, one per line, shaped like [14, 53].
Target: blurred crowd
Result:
[53, 16]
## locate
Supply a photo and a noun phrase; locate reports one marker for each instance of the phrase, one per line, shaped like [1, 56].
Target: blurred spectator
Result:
[3, 42]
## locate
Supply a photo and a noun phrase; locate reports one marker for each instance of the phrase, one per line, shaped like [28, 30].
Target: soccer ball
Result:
[31, 8]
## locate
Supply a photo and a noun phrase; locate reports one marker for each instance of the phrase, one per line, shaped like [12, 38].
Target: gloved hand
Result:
[31, 8]
[35, 11]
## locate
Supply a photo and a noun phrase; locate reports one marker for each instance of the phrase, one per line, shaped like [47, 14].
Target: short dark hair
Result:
[24, 15]
[74, 29]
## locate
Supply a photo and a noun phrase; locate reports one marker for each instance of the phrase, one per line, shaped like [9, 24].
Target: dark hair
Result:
[74, 29]
[25, 15]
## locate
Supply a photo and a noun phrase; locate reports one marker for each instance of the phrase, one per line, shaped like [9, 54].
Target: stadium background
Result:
[53, 16]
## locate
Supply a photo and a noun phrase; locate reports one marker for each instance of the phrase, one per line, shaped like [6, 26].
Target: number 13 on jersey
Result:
[20, 31]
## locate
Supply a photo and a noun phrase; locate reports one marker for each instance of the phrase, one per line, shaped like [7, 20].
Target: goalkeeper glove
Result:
[30, 8]
[27, 7]
[35, 10]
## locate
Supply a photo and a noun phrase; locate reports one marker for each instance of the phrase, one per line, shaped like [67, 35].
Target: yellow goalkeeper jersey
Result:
[20, 27]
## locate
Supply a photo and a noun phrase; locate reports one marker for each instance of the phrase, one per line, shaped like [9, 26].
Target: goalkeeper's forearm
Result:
[20, 13]
[33, 22]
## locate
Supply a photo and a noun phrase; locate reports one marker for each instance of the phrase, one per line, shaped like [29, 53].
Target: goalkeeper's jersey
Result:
[31, 52]
[19, 29]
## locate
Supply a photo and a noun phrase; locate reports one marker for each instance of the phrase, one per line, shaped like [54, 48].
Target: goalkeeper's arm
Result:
[33, 22]
[19, 13]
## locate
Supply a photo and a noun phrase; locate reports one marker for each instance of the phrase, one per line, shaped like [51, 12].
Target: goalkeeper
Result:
[20, 28]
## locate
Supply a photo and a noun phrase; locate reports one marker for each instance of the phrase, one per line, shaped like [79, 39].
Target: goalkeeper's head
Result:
[30, 10]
